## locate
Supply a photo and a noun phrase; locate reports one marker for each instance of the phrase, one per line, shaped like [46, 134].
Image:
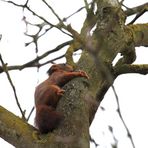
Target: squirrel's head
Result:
[59, 67]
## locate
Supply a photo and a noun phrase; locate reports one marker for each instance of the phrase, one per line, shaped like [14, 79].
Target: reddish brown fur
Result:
[47, 118]
[48, 93]
[60, 74]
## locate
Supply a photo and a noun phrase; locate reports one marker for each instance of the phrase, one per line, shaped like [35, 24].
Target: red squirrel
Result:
[48, 93]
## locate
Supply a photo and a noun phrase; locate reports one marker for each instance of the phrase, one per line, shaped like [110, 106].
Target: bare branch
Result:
[38, 34]
[12, 85]
[52, 60]
[34, 62]
[30, 113]
[139, 14]
[115, 145]
[66, 18]
[58, 26]
[28, 8]
[126, 68]
[60, 20]
[11, 2]
[93, 141]
[120, 115]
[137, 9]
[47, 53]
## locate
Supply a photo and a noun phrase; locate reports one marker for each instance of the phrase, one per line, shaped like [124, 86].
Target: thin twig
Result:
[115, 145]
[60, 20]
[120, 115]
[30, 113]
[93, 141]
[11, 2]
[58, 26]
[26, 2]
[47, 53]
[137, 16]
[52, 60]
[86, 5]
[34, 62]
[135, 10]
[12, 85]
[66, 18]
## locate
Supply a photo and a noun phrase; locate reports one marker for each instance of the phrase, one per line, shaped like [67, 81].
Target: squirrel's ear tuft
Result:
[52, 69]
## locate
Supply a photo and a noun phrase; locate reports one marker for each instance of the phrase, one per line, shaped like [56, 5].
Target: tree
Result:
[103, 35]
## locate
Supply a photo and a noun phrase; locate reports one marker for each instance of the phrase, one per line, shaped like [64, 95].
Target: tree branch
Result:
[60, 20]
[140, 34]
[58, 26]
[120, 115]
[138, 15]
[66, 18]
[34, 62]
[15, 130]
[30, 113]
[93, 141]
[126, 68]
[136, 10]
[13, 87]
